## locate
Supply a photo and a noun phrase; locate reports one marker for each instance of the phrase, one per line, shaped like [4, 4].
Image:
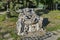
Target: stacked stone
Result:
[28, 22]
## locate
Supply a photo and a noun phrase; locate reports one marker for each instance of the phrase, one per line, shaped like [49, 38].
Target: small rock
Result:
[2, 30]
[7, 35]
[40, 38]
[49, 33]
[55, 32]
[45, 36]
[30, 39]
[33, 38]
[11, 39]
[58, 30]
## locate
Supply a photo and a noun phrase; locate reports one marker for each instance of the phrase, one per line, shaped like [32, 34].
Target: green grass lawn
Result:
[9, 26]
[2, 18]
[54, 18]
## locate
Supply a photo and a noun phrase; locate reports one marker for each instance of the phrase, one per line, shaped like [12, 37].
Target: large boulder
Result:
[28, 22]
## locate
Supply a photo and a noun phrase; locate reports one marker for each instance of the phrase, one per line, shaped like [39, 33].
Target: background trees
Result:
[16, 4]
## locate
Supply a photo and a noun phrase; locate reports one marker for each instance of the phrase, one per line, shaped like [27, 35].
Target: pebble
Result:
[7, 35]
[11, 39]
[55, 32]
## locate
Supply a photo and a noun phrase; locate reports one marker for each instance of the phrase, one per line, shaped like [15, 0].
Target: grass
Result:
[2, 18]
[53, 28]
[8, 25]
[53, 14]
[58, 38]
[54, 18]
[14, 19]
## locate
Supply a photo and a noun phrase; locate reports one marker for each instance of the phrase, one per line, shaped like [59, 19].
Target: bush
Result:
[2, 5]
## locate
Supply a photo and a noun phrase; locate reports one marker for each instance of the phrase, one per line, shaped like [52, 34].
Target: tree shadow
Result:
[41, 12]
[2, 10]
[12, 16]
[45, 22]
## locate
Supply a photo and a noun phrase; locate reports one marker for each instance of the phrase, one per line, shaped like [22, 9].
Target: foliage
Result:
[25, 3]
[41, 6]
[56, 1]
[1, 5]
[13, 14]
[11, 5]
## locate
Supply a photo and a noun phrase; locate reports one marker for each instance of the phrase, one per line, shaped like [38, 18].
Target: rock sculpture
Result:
[28, 22]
